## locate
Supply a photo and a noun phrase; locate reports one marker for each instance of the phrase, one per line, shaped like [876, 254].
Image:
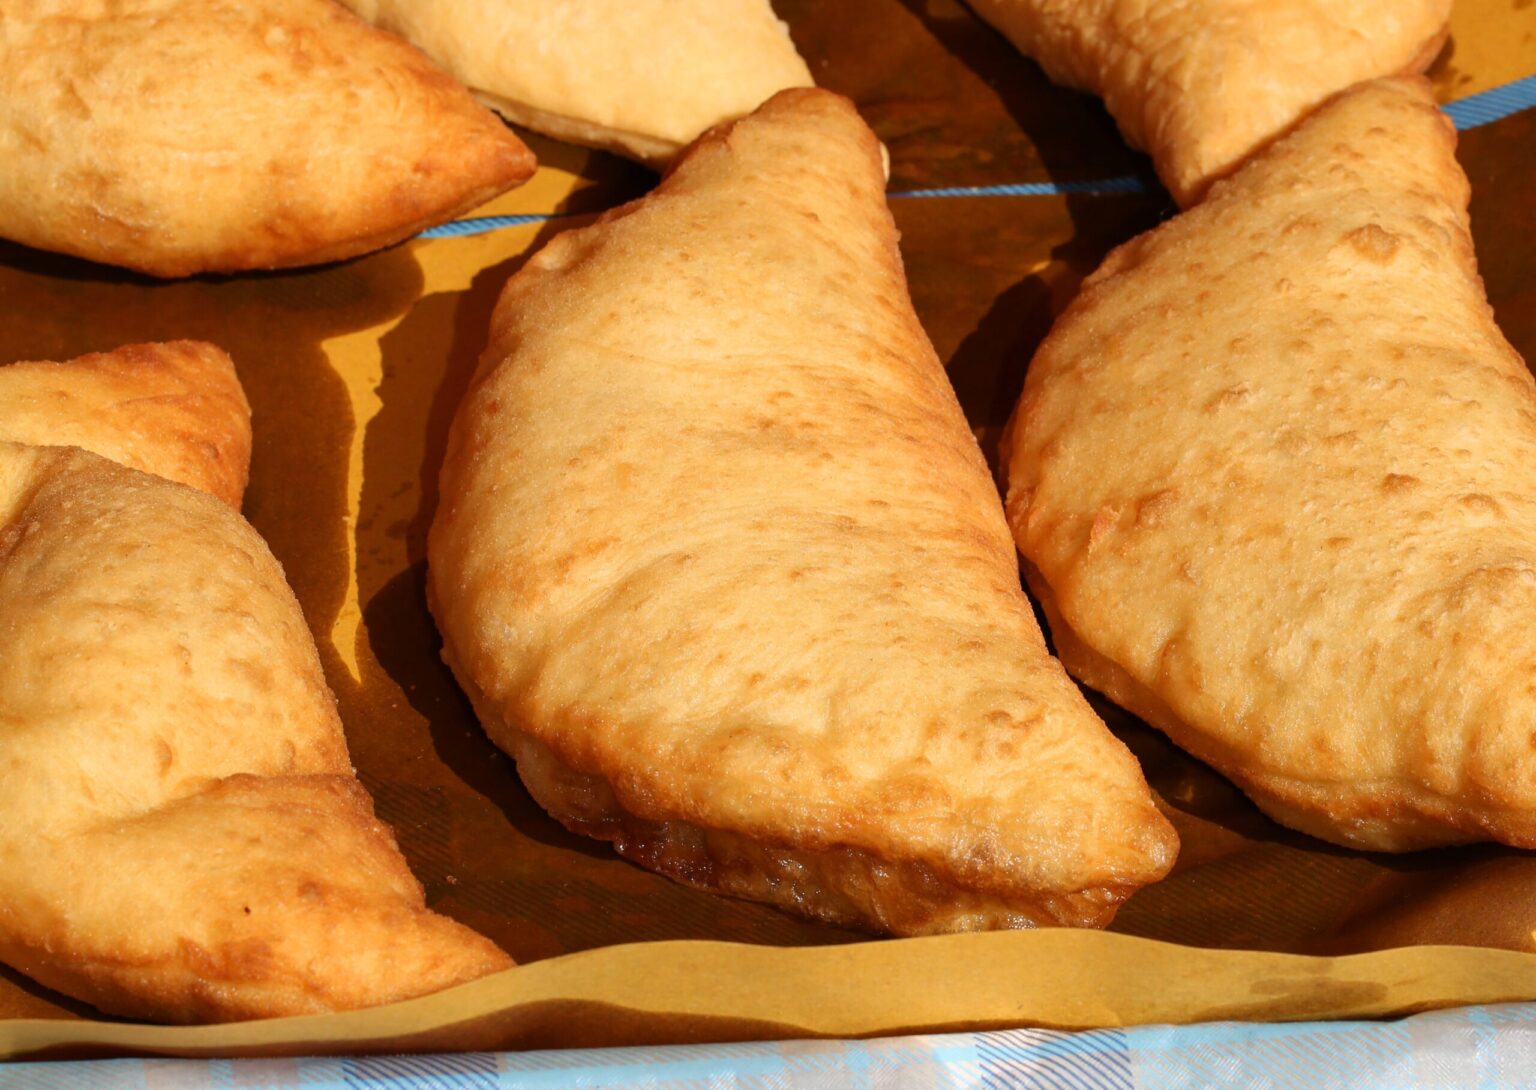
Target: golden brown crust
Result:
[256, 896]
[715, 534]
[638, 77]
[185, 136]
[173, 409]
[183, 838]
[1203, 84]
[1275, 470]
[837, 885]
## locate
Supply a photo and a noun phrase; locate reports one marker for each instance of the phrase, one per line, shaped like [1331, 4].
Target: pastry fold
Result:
[1275, 475]
[719, 562]
[1203, 84]
[174, 409]
[639, 77]
[184, 136]
[183, 836]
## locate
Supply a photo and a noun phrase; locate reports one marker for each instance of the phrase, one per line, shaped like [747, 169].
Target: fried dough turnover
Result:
[1274, 472]
[719, 563]
[1203, 84]
[183, 136]
[639, 77]
[183, 836]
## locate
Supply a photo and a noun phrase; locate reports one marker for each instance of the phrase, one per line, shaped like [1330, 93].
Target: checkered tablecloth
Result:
[1473, 1047]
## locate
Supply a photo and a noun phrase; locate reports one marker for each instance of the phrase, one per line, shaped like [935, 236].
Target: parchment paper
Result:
[354, 371]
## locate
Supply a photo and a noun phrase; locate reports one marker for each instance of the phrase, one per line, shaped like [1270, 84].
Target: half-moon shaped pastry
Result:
[719, 562]
[638, 77]
[183, 836]
[1202, 84]
[185, 136]
[1275, 473]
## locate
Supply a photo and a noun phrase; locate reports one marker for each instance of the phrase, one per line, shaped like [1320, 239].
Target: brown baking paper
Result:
[354, 372]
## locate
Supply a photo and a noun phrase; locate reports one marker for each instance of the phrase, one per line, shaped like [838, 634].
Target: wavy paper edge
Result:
[704, 991]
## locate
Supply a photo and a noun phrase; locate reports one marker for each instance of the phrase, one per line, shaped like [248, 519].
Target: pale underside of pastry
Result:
[1275, 473]
[639, 77]
[185, 136]
[719, 562]
[1203, 84]
[183, 838]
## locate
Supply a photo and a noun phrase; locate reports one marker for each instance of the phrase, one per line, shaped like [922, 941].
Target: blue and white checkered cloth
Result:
[1465, 1049]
